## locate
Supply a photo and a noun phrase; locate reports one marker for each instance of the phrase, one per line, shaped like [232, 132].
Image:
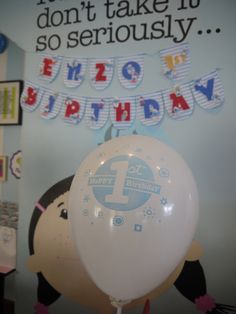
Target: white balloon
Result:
[133, 211]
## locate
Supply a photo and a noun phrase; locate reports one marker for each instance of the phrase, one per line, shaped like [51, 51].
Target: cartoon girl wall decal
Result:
[59, 270]
[54, 259]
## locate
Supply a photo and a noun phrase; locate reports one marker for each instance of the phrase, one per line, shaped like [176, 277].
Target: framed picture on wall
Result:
[3, 168]
[10, 110]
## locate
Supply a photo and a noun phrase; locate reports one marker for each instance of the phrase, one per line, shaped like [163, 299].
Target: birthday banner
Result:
[175, 66]
[101, 71]
[178, 101]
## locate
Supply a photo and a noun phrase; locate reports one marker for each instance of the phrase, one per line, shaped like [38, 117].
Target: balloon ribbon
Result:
[146, 309]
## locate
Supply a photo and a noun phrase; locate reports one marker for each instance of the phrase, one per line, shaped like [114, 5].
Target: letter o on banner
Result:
[130, 69]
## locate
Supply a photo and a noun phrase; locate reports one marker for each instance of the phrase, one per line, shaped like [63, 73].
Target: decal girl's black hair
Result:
[192, 284]
[46, 294]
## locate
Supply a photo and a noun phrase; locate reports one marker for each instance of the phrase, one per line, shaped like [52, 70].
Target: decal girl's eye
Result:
[64, 213]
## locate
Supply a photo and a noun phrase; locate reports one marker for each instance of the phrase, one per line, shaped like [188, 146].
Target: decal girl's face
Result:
[54, 251]
[56, 258]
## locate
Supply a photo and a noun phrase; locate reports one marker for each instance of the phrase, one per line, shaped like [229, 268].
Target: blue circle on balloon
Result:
[3, 43]
[123, 183]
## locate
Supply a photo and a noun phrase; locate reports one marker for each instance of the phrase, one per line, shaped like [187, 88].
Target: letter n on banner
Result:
[101, 72]
[73, 109]
[150, 108]
[97, 112]
[74, 71]
[179, 102]
[123, 111]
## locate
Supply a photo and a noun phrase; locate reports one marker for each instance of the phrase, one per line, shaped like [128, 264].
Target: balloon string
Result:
[119, 310]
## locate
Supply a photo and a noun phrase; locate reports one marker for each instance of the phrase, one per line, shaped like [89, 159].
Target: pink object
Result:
[205, 303]
[41, 308]
[40, 207]
[6, 269]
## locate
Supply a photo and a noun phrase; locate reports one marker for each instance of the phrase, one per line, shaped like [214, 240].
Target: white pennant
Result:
[31, 96]
[97, 112]
[176, 62]
[179, 102]
[208, 91]
[74, 71]
[50, 104]
[73, 108]
[49, 67]
[131, 70]
[150, 108]
[122, 112]
[101, 72]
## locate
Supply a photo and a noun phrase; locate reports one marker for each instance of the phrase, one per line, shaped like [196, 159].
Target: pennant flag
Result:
[122, 112]
[131, 70]
[31, 96]
[50, 104]
[49, 67]
[150, 108]
[208, 91]
[73, 108]
[101, 72]
[176, 62]
[179, 102]
[97, 112]
[74, 71]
